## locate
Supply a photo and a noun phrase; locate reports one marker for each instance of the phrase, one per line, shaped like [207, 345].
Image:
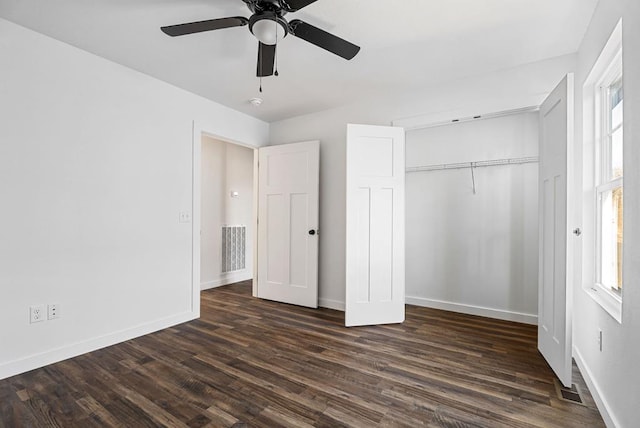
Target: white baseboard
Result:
[331, 304]
[500, 314]
[32, 362]
[601, 402]
[448, 306]
[225, 280]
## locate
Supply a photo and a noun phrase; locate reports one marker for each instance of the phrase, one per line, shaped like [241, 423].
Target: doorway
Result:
[226, 212]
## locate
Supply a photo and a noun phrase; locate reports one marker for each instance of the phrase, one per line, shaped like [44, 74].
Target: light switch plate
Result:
[185, 217]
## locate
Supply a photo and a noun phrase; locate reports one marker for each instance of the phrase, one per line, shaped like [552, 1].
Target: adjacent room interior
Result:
[226, 213]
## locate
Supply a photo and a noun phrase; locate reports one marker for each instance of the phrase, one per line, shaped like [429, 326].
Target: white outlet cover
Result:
[37, 313]
[53, 311]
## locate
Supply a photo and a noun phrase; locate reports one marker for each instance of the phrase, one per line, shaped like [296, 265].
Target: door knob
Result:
[312, 232]
[577, 231]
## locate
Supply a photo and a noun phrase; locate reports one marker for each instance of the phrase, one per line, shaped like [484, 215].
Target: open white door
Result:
[288, 183]
[375, 225]
[556, 256]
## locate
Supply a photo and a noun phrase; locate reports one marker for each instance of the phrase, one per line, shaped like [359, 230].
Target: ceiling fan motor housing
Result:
[266, 6]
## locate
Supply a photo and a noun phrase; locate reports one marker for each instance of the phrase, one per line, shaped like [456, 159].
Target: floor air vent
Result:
[571, 395]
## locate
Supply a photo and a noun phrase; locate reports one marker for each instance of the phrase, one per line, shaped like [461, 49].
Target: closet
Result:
[472, 216]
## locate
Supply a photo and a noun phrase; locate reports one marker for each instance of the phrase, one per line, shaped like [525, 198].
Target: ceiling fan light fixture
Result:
[268, 28]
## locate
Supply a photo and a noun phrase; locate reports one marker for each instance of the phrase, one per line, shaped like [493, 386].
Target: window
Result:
[609, 188]
[603, 172]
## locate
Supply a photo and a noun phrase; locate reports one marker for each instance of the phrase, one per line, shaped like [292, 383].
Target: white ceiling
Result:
[406, 45]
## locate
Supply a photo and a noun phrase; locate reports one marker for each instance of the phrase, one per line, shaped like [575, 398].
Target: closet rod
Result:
[478, 164]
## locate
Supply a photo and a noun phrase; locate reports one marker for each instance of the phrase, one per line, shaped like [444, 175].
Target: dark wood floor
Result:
[249, 362]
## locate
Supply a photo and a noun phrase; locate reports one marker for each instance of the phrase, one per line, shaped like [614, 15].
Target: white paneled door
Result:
[375, 225]
[288, 183]
[555, 208]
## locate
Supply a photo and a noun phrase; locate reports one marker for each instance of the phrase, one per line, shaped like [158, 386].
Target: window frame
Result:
[607, 69]
[603, 149]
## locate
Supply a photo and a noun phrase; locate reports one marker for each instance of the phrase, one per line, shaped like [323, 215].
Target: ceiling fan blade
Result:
[266, 58]
[293, 5]
[200, 26]
[321, 38]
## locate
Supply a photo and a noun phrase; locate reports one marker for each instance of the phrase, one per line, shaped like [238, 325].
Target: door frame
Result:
[198, 131]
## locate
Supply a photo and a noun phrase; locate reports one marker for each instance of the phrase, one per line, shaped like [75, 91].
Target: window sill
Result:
[609, 301]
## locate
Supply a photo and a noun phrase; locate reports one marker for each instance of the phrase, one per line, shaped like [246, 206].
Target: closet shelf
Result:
[477, 164]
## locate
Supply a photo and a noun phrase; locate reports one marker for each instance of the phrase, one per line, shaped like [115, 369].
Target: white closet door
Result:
[375, 225]
[555, 269]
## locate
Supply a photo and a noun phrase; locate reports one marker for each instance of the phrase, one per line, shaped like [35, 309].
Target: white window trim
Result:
[605, 70]
[612, 73]
[608, 299]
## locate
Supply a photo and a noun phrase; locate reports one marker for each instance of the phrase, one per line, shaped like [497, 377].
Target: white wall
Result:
[502, 90]
[213, 173]
[474, 253]
[614, 373]
[95, 166]
[225, 168]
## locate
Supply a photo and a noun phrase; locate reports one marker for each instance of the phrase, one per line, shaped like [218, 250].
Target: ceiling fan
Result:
[268, 25]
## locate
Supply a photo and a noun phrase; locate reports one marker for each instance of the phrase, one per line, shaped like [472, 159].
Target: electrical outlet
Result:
[37, 313]
[185, 217]
[600, 340]
[53, 311]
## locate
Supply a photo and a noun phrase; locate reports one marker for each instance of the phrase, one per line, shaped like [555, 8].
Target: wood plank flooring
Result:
[255, 363]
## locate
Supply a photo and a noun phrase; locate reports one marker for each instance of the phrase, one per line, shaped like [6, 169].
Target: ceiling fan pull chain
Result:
[275, 51]
[260, 65]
